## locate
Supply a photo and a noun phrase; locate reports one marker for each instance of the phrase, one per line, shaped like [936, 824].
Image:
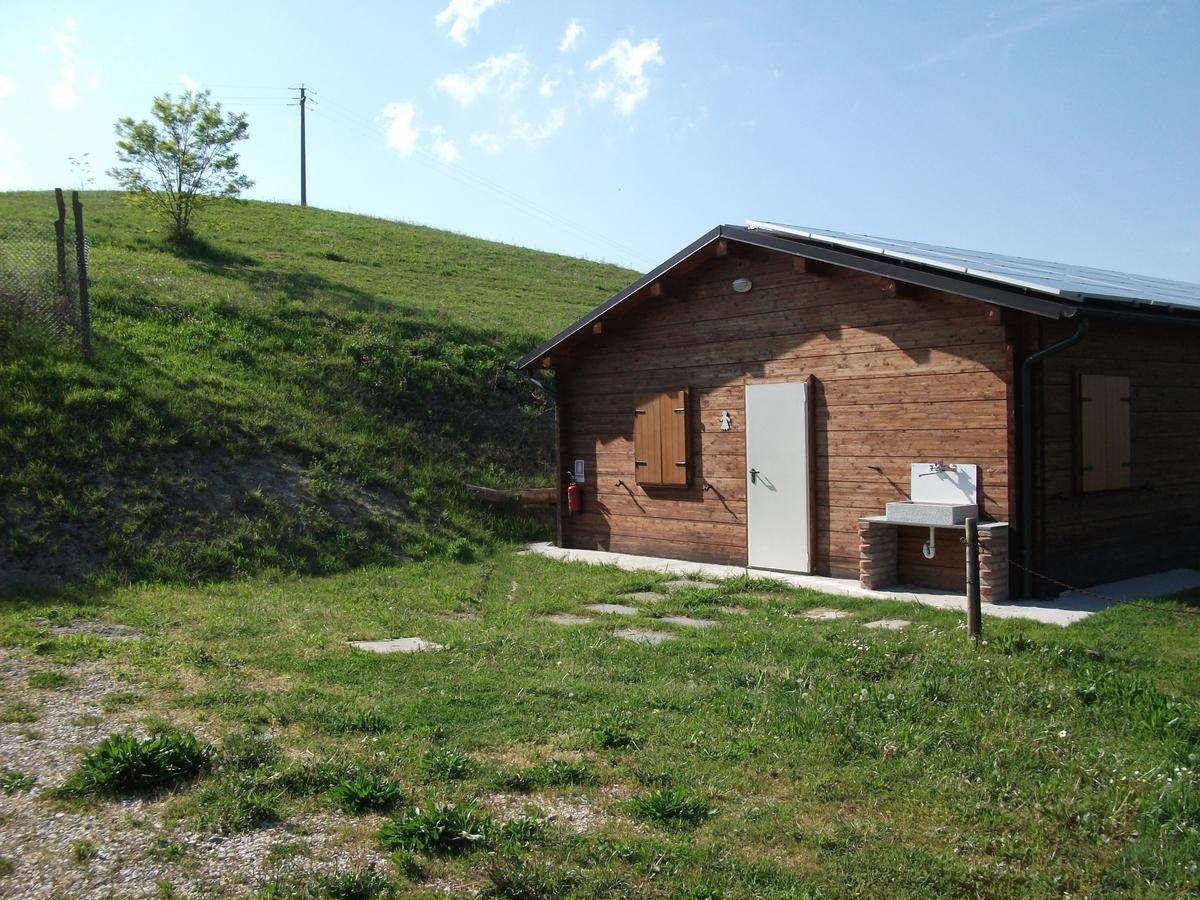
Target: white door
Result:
[778, 482]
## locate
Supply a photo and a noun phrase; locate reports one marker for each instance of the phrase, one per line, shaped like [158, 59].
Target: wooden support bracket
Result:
[722, 248]
[897, 289]
[799, 264]
[597, 328]
[656, 289]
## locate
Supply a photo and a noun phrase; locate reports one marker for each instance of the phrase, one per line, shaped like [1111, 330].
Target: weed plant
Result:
[122, 765]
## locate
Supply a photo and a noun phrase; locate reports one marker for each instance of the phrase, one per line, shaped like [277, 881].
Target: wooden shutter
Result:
[673, 419]
[647, 439]
[1104, 434]
[660, 438]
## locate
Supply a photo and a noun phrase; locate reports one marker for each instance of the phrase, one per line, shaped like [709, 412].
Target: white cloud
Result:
[6, 86]
[623, 75]
[488, 142]
[463, 16]
[522, 132]
[503, 75]
[546, 88]
[62, 92]
[573, 33]
[530, 135]
[401, 133]
[188, 81]
[445, 149]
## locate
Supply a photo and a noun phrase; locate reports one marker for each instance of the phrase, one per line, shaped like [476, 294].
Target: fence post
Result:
[85, 312]
[974, 613]
[60, 246]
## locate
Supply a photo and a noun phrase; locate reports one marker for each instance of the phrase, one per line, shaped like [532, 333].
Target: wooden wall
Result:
[1090, 538]
[898, 380]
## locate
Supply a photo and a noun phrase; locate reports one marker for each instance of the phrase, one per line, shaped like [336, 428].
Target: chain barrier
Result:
[1106, 599]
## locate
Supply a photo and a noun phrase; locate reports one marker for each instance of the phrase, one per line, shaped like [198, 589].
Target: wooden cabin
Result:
[759, 398]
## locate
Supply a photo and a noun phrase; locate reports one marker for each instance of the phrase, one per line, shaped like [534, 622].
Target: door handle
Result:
[754, 476]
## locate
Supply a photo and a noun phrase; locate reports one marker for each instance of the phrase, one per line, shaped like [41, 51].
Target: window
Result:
[1104, 436]
[660, 438]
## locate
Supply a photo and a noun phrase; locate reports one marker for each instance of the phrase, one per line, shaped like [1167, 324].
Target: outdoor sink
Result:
[932, 514]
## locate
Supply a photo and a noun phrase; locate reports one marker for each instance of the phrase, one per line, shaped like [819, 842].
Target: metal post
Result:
[974, 614]
[303, 173]
[85, 311]
[60, 244]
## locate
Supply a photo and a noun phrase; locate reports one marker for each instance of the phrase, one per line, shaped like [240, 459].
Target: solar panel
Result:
[1075, 282]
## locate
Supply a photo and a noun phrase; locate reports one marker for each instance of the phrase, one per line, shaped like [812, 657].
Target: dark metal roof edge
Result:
[619, 297]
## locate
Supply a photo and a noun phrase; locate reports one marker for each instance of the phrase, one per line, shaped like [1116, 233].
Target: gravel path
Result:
[129, 836]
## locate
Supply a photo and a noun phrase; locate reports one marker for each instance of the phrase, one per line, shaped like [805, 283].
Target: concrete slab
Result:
[643, 597]
[734, 610]
[824, 613]
[613, 609]
[644, 635]
[396, 645]
[691, 583]
[1063, 610]
[688, 621]
[567, 619]
[888, 624]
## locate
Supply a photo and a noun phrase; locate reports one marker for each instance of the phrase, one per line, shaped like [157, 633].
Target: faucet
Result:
[938, 468]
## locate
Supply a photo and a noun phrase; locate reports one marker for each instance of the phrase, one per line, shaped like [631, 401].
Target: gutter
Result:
[1027, 504]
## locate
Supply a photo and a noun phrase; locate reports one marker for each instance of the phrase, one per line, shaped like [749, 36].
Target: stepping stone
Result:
[643, 635]
[689, 583]
[644, 597]
[396, 645]
[825, 613]
[688, 621]
[615, 608]
[888, 624]
[92, 628]
[567, 619]
[734, 610]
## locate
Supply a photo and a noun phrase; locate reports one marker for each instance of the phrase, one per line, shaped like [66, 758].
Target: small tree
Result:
[184, 161]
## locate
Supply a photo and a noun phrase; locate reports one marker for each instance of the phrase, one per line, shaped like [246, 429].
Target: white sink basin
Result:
[906, 513]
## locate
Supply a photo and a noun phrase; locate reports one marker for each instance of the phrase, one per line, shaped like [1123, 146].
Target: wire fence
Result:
[43, 276]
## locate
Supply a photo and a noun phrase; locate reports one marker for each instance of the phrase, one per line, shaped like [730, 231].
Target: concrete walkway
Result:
[1063, 610]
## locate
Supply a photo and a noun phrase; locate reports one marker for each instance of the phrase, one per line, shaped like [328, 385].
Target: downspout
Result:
[1027, 510]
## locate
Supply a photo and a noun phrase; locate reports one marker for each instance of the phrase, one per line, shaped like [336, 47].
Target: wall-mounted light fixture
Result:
[742, 285]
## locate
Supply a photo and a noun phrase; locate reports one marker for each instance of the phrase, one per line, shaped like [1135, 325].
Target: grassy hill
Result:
[300, 391]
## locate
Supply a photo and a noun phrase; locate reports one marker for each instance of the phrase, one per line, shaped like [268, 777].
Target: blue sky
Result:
[622, 130]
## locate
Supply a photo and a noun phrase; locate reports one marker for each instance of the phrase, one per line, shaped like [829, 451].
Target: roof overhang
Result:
[1010, 294]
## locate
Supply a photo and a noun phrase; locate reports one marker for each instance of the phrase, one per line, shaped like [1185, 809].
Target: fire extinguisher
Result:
[574, 497]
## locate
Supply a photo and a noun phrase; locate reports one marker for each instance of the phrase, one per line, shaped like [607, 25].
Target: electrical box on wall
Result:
[580, 471]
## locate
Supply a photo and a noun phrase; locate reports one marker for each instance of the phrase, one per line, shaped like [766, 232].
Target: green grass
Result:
[772, 755]
[49, 680]
[299, 391]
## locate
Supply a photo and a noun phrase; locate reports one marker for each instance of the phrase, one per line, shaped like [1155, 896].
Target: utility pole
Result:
[303, 98]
